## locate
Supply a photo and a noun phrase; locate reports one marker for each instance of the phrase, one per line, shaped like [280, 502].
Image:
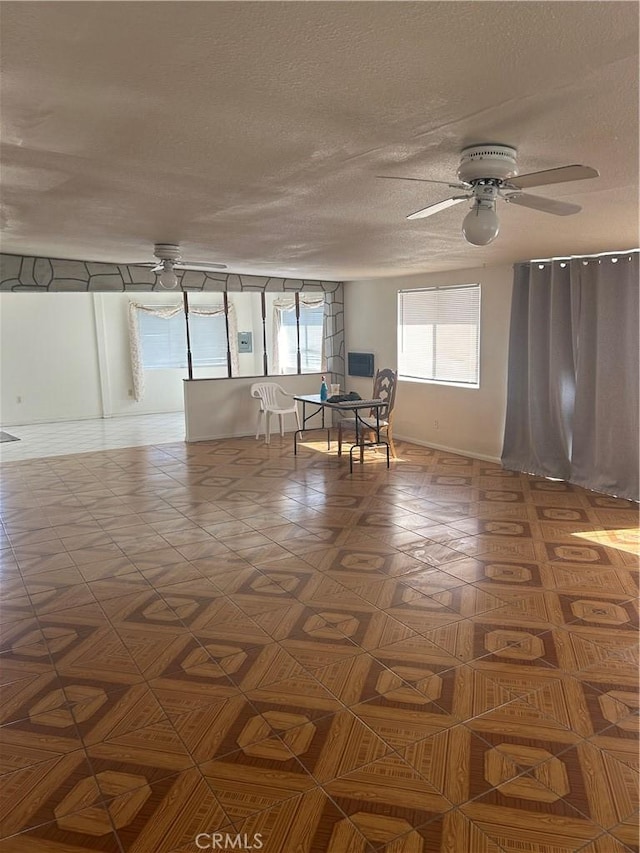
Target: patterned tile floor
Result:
[221, 641]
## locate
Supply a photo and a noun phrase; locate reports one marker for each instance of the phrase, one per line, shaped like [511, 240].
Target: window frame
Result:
[292, 318]
[435, 380]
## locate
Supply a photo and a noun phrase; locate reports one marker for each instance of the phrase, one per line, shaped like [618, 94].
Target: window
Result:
[296, 342]
[164, 340]
[310, 324]
[208, 335]
[439, 334]
[287, 335]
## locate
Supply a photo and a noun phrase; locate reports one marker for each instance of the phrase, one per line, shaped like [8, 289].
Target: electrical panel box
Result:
[360, 363]
[245, 342]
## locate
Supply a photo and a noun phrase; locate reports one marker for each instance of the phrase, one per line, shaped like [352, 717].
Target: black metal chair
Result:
[384, 388]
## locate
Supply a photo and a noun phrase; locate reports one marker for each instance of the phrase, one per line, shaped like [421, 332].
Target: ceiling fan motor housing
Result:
[480, 162]
[167, 251]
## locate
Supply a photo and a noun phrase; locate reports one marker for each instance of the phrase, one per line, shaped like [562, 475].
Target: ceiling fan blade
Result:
[179, 265]
[196, 267]
[456, 186]
[437, 207]
[553, 176]
[546, 205]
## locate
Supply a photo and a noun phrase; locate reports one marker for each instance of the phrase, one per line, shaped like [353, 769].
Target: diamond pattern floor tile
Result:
[437, 658]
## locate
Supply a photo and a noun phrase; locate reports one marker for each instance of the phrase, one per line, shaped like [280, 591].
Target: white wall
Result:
[67, 356]
[248, 309]
[469, 421]
[48, 358]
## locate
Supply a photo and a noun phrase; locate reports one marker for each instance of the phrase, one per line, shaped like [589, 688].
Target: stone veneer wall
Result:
[21, 273]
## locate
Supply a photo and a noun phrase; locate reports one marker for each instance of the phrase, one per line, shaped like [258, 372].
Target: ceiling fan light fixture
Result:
[168, 279]
[481, 225]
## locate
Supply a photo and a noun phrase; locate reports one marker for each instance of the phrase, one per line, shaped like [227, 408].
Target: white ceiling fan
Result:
[170, 260]
[490, 172]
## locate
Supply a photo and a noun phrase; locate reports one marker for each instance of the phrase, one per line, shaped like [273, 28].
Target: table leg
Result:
[300, 431]
[306, 417]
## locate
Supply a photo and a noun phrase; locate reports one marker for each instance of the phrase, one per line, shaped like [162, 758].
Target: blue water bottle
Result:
[324, 390]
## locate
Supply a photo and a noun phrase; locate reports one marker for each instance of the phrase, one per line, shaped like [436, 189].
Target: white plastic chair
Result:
[270, 395]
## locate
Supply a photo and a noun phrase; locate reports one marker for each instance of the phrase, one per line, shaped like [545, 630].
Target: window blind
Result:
[164, 341]
[439, 334]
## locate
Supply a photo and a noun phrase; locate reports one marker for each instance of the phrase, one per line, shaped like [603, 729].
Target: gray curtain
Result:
[572, 399]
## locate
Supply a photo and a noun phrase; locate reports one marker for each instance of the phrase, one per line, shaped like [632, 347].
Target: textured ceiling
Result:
[252, 132]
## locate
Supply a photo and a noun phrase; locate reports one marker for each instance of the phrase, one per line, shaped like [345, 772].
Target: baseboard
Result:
[220, 436]
[34, 421]
[457, 450]
[67, 419]
[289, 436]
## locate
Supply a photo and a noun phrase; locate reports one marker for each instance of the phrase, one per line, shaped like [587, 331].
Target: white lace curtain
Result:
[166, 312]
[572, 402]
[286, 304]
